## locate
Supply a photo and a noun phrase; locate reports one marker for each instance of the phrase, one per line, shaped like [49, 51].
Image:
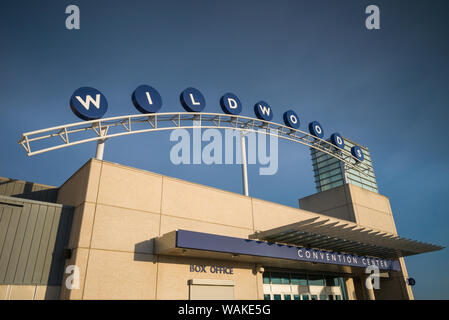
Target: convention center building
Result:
[111, 231]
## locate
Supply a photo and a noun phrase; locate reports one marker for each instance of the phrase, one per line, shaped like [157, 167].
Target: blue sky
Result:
[387, 89]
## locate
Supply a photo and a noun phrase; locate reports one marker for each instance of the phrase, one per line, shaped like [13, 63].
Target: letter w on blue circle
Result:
[193, 100]
[146, 99]
[88, 103]
[263, 111]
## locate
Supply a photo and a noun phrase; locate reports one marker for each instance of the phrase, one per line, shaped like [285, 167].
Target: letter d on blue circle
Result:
[358, 153]
[88, 103]
[263, 111]
[337, 140]
[230, 104]
[193, 100]
[316, 129]
[291, 119]
[146, 99]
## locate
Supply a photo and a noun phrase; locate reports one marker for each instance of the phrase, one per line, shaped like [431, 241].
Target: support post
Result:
[244, 165]
[100, 146]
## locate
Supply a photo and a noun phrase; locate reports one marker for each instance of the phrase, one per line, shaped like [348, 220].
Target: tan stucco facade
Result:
[120, 210]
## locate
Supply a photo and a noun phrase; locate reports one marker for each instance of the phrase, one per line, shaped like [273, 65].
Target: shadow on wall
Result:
[28, 190]
[143, 251]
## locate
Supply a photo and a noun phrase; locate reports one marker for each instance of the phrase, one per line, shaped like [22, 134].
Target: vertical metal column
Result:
[244, 165]
[100, 147]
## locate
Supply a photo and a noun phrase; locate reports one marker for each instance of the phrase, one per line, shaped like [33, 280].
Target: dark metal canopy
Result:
[337, 235]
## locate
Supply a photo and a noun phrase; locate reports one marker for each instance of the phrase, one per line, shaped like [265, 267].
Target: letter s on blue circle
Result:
[146, 99]
[263, 111]
[291, 119]
[316, 129]
[230, 104]
[192, 100]
[358, 153]
[88, 103]
[337, 140]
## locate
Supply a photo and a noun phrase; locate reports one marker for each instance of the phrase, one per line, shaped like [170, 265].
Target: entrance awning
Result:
[337, 235]
[211, 246]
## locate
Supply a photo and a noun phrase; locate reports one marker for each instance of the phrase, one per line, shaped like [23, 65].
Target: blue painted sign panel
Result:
[211, 242]
[193, 100]
[358, 153]
[316, 129]
[263, 111]
[230, 104]
[337, 140]
[88, 103]
[146, 99]
[291, 119]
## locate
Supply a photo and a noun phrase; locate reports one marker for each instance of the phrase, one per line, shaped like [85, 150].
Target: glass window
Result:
[276, 297]
[266, 277]
[296, 297]
[287, 297]
[266, 297]
[331, 297]
[323, 297]
[316, 280]
[276, 278]
[314, 297]
[337, 297]
[299, 279]
[305, 297]
[331, 281]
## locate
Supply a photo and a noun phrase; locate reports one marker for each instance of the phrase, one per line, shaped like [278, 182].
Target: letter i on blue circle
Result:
[146, 99]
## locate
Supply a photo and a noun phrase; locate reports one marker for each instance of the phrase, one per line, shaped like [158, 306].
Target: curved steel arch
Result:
[102, 129]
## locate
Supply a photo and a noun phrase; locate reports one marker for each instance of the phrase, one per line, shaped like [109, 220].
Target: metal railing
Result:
[81, 132]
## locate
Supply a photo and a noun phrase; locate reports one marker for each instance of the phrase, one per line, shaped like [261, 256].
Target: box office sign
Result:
[201, 268]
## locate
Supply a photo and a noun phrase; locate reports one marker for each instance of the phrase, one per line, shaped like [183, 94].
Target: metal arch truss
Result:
[40, 141]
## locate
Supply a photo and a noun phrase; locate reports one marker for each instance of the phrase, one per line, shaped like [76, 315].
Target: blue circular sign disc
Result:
[337, 140]
[192, 100]
[263, 111]
[88, 103]
[316, 129]
[291, 119]
[357, 152]
[146, 99]
[230, 104]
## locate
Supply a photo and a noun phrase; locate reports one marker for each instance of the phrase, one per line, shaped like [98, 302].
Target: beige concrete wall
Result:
[29, 292]
[119, 210]
[352, 203]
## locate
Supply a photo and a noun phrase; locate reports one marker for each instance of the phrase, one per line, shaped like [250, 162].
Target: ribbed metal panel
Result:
[27, 190]
[33, 235]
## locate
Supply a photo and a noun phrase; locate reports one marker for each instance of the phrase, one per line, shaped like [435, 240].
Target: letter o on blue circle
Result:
[316, 129]
[193, 100]
[263, 111]
[146, 99]
[337, 140]
[88, 103]
[291, 119]
[358, 153]
[230, 104]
